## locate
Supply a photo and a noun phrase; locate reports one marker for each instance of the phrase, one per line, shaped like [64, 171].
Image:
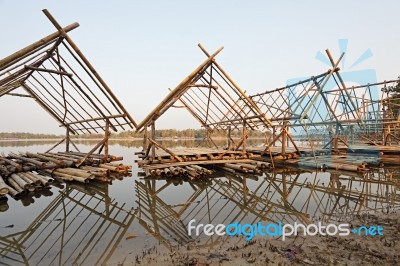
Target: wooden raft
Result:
[199, 162]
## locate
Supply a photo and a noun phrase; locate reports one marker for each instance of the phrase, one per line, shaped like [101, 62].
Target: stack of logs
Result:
[253, 167]
[192, 171]
[195, 171]
[27, 172]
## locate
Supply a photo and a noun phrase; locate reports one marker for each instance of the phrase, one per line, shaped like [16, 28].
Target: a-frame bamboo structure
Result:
[211, 96]
[57, 75]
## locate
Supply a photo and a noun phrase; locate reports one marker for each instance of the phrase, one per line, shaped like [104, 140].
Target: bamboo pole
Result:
[89, 65]
[29, 179]
[74, 172]
[240, 91]
[43, 180]
[174, 171]
[23, 53]
[178, 90]
[11, 162]
[46, 158]
[15, 186]
[3, 187]
[165, 149]
[21, 183]
[13, 193]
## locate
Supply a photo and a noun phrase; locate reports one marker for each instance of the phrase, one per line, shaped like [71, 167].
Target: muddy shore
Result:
[296, 250]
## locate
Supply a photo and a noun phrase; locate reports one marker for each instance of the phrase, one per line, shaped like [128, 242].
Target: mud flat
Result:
[300, 250]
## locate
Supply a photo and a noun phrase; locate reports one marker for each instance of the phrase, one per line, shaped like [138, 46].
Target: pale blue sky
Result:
[142, 48]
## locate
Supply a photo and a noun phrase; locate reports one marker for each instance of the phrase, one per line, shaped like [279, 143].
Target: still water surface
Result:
[77, 224]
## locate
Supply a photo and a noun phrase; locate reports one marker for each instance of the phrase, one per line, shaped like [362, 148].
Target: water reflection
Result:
[285, 195]
[82, 225]
[129, 143]
[3, 204]
[25, 143]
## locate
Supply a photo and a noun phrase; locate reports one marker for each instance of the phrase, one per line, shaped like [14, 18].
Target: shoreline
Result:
[296, 250]
[132, 139]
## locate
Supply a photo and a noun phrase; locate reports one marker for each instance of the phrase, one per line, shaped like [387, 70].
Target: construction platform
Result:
[198, 162]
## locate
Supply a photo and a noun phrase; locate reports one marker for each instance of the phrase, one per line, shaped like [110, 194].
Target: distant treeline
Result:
[24, 135]
[161, 133]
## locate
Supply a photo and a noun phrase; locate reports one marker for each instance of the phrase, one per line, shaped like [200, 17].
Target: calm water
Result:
[87, 225]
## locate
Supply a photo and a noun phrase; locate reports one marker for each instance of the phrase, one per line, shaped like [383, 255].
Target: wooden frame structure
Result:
[211, 96]
[325, 104]
[57, 75]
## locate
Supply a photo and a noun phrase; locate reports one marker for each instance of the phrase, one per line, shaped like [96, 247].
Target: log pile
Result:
[192, 171]
[32, 172]
[196, 156]
[253, 167]
[196, 170]
[198, 162]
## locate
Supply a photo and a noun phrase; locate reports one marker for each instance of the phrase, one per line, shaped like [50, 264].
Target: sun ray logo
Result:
[318, 107]
[349, 76]
[360, 77]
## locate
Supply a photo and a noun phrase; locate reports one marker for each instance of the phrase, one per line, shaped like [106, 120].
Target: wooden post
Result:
[145, 139]
[67, 140]
[229, 136]
[352, 134]
[335, 142]
[153, 136]
[287, 139]
[284, 137]
[273, 135]
[107, 135]
[244, 132]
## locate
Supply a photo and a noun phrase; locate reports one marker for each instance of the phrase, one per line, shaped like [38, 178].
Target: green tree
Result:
[392, 102]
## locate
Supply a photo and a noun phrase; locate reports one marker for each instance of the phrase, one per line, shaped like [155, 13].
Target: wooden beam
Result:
[48, 71]
[17, 56]
[165, 149]
[181, 86]
[89, 65]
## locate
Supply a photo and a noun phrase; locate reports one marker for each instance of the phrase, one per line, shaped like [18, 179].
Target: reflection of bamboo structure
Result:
[284, 195]
[81, 225]
[335, 196]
